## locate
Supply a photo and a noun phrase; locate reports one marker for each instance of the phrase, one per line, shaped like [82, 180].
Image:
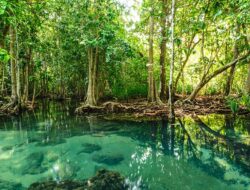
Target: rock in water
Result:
[7, 148]
[107, 180]
[108, 159]
[104, 180]
[63, 185]
[6, 185]
[89, 148]
[34, 164]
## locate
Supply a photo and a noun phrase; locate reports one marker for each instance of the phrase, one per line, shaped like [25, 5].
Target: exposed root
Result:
[202, 106]
[12, 108]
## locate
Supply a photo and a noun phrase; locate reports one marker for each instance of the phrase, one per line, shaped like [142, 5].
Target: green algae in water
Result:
[52, 144]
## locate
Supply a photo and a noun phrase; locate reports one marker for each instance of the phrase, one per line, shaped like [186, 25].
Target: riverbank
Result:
[141, 108]
[8, 108]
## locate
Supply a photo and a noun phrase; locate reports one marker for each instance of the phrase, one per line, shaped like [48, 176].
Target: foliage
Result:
[4, 56]
[53, 39]
[233, 104]
[245, 101]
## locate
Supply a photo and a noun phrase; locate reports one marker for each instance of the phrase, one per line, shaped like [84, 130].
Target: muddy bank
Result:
[140, 108]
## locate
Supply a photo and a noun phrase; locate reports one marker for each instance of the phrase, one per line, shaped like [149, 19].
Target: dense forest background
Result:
[113, 49]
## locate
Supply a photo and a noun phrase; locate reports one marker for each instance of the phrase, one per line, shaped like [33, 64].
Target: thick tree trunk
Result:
[163, 93]
[13, 66]
[230, 78]
[151, 85]
[171, 89]
[206, 79]
[92, 74]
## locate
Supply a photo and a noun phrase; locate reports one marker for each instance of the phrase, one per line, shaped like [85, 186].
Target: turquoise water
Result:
[51, 143]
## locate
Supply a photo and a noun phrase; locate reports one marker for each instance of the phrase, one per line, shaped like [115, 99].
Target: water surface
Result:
[209, 152]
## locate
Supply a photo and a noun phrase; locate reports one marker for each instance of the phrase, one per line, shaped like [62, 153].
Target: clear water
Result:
[52, 143]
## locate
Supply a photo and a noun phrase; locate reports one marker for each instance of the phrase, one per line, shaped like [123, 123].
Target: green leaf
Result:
[4, 56]
[219, 12]
[3, 5]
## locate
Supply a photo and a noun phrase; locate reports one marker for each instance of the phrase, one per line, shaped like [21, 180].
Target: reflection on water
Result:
[209, 151]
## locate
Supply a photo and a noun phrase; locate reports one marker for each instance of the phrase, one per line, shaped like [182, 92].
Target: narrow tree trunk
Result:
[13, 66]
[151, 85]
[2, 45]
[34, 95]
[3, 68]
[246, 38]
[171, 93]
[18, 76]
[229, 82]
[3, 80]
[248, 80]
[190, 48]
[92, 73]
[207, 78]
[26, 77]
[163, 93]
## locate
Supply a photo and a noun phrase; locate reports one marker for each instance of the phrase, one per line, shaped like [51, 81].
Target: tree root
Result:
[12, 108]
[143, 109]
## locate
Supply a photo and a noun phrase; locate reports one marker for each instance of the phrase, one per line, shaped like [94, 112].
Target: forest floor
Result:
[141, 108]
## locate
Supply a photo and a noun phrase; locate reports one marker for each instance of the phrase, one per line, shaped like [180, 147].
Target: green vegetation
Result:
[115, 49]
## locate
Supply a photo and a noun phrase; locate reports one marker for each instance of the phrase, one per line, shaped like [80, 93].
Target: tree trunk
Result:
[18, 76]
[163, 93]
[13, 66]
[2, 45]
[3, 68]
[190, 48]
[26, 76]
[248, 80]
[171, 89]
[207, 78]
[151, 85]
[92, 74]
[230, 78]
[34, 95]
[246, 38]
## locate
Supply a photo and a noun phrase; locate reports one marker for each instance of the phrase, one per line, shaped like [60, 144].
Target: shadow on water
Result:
[155, 154]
